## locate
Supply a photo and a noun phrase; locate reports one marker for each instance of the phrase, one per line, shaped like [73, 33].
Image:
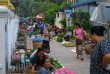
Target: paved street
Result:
[67, 57]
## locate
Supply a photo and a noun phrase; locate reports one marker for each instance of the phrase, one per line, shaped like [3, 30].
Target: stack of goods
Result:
[23, 27]
[22, 30]
[21, 42]
[68, 44]
[57, 63]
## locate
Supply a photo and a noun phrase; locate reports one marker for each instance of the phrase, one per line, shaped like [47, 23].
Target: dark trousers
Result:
[47, 43]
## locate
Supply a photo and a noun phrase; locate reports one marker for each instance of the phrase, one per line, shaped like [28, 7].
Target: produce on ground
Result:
[57, 64]
[60, 39]
[68, 44]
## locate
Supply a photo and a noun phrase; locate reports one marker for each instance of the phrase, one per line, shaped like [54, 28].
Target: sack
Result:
[88, 49]
[15, 59]
[86, 35]
[78, 41]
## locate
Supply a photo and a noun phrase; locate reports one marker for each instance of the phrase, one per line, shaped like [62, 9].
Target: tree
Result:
[50, 14]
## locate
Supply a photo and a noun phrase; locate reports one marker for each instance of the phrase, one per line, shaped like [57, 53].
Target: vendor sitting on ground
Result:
[68, 35]
[46, 65]
[38, 58]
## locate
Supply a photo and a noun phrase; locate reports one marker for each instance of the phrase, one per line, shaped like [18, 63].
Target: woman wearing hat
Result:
[46, 36]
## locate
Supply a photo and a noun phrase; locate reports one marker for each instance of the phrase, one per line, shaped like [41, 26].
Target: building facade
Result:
[90, 6]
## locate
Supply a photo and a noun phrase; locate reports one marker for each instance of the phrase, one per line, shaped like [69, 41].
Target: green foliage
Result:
[50, 14]
[64, 4]
[63, 22]
[58, 65]
[34, 7]
[71, 28]
[36, 32]
[82, 18]
[60, 39]
[32, 50]
[73, 38]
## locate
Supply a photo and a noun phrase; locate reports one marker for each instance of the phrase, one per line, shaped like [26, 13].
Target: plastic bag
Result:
[36, 39]
[15, 59]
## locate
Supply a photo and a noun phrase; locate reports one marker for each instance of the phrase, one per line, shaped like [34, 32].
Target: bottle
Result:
[22, 58]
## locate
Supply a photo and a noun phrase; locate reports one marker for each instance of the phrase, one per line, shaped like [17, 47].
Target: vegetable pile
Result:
[60, 39]
[68, 44]
[58, 65]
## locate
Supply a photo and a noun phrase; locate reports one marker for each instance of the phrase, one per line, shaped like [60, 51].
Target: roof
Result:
[62, 9]
[83, 3]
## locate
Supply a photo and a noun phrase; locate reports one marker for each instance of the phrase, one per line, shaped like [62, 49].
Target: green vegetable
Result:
[68, 44]
[58, 65]
[36, 32]
[32, 50]
[59, 39]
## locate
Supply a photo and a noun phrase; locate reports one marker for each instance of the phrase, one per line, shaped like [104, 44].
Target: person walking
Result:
[46, 37]
[78, 34]
[100, 57]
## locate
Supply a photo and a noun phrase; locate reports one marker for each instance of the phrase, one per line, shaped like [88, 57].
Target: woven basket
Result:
[29, 71]
[22, 27]
[37, 45]
[88, 49]
[22, 32]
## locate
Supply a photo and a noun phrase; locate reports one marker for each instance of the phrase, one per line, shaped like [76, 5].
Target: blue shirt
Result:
[102, 48]
[44, 71]
[42, 26]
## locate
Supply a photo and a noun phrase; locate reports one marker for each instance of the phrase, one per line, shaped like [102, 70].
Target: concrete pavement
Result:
[67, 57]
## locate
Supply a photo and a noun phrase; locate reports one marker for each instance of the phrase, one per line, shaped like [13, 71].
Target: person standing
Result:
[46, 37]
[100, 57]
[78, 34]
[42, 28]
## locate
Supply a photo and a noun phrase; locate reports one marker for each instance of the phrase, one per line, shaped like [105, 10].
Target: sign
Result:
[68, 12]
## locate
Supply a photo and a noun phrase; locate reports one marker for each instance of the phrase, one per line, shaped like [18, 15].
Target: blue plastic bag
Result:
[36, 39]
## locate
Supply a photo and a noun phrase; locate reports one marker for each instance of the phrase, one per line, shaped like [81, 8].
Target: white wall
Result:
[8, 35]
[61, 16]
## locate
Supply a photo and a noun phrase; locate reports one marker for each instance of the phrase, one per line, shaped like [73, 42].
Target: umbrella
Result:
[40, 17]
